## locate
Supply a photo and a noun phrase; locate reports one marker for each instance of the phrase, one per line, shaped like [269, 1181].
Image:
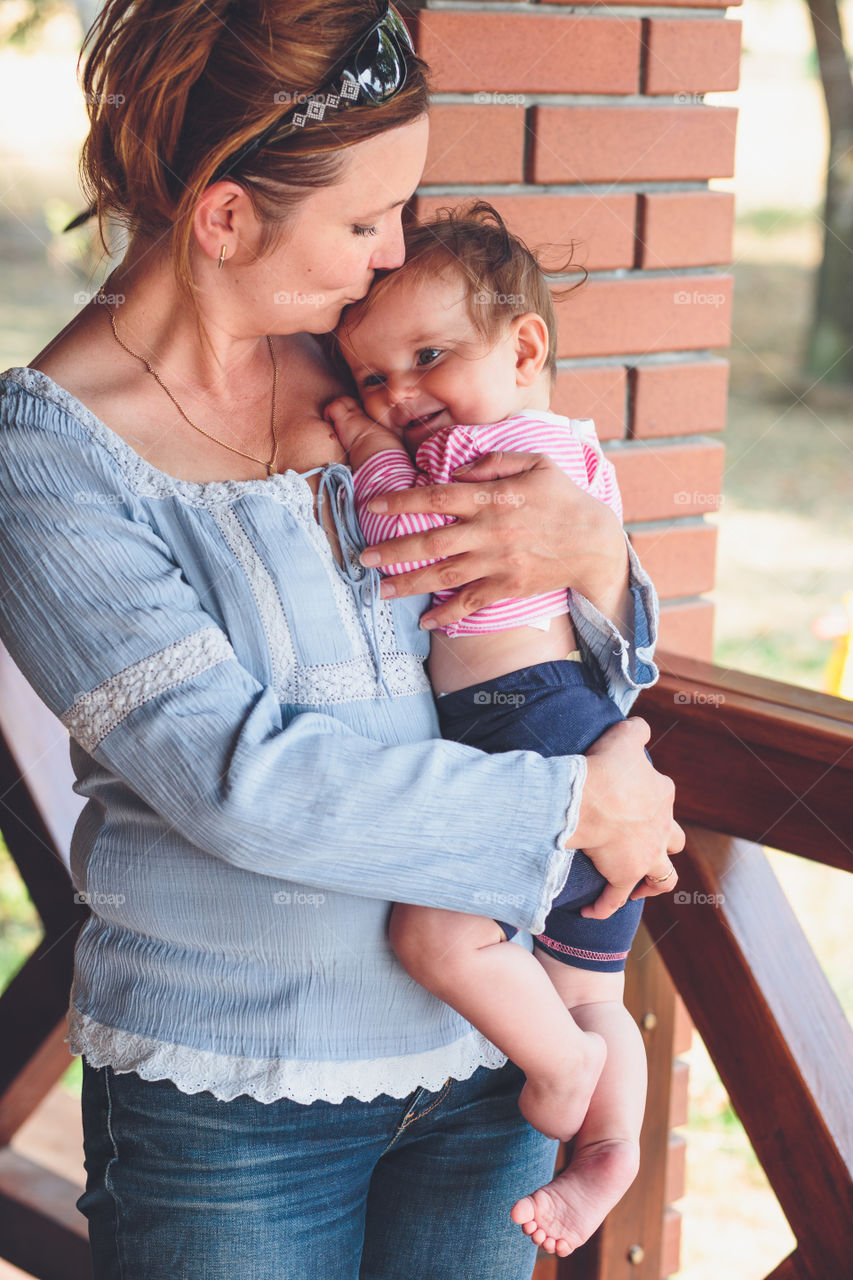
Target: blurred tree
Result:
[830, 347]
[28, 18]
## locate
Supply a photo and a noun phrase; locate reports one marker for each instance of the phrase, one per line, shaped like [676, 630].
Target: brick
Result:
[597, 393]
[631, 143]
[660, 482]
[505, 52]
[686, 228]
[670, 1253]
[657, 313]
[475, 144]
[679, 559]
[602, 227]
[687, 630]
[691, 55]
[676, 399]
[676, 1168]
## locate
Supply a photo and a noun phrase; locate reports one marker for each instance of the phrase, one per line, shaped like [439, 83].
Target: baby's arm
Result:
[380, 465]
[361, 436]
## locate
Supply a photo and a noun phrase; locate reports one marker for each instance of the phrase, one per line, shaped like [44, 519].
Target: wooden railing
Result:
[754, 761]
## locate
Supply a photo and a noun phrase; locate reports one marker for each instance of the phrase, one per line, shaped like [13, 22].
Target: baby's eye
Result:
[428, 355]
[372, 380]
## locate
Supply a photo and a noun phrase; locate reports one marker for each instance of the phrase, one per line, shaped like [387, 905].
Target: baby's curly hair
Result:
[503, 277]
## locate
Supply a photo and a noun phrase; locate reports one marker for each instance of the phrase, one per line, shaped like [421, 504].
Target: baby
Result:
[453, 356]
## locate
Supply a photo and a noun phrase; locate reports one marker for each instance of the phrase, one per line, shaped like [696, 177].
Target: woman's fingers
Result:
[626, 824]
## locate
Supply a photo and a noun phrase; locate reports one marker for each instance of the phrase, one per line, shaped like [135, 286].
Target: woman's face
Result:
[341, 234]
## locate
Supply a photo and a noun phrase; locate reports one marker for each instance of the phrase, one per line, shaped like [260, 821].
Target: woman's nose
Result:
[391, 252]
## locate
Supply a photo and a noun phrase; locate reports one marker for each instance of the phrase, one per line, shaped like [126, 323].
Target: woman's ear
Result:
[221, 221]
[531, 347]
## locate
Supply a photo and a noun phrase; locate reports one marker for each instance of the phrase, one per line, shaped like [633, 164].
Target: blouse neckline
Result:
[148, 479]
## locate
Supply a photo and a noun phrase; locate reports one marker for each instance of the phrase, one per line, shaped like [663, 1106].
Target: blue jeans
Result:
[185, 1187]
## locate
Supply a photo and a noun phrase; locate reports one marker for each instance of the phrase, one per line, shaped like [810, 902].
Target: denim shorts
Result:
[556, 709]
[187, 1187]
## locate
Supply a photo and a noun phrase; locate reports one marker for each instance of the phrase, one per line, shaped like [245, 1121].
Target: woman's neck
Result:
[196, 338]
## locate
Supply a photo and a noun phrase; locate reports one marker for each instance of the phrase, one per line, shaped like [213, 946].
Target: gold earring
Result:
[222, 253]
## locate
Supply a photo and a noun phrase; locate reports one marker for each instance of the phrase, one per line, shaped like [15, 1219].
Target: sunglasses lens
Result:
[380, 69]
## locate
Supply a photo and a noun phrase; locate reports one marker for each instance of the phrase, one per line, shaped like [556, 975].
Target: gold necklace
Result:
[270, 464]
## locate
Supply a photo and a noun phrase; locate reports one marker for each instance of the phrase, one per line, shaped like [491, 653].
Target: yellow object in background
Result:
[838, 627]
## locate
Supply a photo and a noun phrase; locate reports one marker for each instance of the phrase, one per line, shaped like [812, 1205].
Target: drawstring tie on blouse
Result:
[336, 485]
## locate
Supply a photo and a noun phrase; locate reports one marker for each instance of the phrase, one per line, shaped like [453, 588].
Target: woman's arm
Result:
[100, 618]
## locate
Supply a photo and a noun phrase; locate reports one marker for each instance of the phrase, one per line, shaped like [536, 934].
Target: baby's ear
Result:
[531, 347]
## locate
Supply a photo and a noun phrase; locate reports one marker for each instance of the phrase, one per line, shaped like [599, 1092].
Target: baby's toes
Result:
[523, 1211]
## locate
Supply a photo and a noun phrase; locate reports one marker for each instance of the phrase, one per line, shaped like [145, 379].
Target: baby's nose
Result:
[401, 389]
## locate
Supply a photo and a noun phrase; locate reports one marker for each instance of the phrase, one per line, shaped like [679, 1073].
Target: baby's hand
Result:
[349, 420]
[360, 435]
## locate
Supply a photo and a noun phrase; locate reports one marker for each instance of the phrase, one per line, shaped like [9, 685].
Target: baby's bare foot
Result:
[561, 1216]
[557, 1105]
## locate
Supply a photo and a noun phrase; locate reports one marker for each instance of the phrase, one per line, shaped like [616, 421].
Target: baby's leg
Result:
[605, 1157]
[506, 993]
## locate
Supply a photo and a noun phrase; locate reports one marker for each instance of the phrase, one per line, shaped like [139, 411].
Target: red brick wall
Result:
[587, 123]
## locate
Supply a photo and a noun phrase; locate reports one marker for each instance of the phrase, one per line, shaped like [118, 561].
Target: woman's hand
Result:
[522, 528]
[626, 825]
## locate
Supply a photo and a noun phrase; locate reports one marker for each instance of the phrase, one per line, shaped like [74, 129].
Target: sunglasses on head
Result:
[375, 70]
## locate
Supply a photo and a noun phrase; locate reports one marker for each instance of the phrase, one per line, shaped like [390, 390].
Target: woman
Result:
[265, 1092]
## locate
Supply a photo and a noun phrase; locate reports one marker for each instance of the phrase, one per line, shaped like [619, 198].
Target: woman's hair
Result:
[175, 88]
[502, 277]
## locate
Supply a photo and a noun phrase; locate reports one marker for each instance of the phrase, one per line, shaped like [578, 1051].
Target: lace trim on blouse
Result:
[97, 713]
[268, 1079]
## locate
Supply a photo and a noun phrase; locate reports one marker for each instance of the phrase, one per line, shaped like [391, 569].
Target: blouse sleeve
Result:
[100, 619]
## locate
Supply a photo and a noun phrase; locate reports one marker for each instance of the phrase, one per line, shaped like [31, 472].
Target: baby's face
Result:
[420, 364]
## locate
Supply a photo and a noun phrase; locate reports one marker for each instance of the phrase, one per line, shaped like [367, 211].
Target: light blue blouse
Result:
[257, 742]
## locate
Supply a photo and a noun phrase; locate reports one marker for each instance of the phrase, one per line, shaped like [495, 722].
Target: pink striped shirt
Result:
[570, 442]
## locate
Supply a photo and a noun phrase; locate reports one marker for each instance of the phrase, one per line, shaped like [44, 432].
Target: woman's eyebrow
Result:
[387, 209]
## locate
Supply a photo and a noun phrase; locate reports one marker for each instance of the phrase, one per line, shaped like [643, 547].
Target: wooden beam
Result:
[755, 758]
[774, 1029]
[33, 1012]
[42, 1231]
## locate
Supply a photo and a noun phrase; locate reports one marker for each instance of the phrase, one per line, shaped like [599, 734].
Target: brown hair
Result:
[503, 278]
[174, 89]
